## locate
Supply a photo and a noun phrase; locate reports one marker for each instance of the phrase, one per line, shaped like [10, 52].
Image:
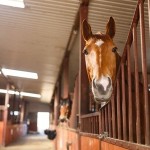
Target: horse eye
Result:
[114, 49]
[85, 52]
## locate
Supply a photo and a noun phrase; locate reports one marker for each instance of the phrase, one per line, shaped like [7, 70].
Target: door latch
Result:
[103, 135]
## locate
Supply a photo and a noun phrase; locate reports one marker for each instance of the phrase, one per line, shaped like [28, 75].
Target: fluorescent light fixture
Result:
[10, 91]
[30, 94]
[17, 73]
[16, 113]
[21, 93]
[13, 3]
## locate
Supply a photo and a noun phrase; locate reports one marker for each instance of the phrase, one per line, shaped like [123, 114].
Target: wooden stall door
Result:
[89, 143]
[108, 146]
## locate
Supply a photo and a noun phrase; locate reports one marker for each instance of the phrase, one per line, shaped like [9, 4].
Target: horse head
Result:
[100, 60]
[65, 109]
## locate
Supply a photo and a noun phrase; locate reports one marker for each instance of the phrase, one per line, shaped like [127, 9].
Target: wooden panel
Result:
[107, 146]
[73, 139]
[89, 143]
[13, 132]
[67, 137]
[1, 132]
[62, 137]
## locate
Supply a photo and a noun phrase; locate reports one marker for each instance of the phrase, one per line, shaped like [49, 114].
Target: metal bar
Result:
[124, 104]
[138, 118]
[109, 119]
[113, 116]
[103, 121]
[118, 110]
[144, 73]
[97, 125]
[100, 122]
[149, 14]
[83, 78]
[130, 95]
[106, 119]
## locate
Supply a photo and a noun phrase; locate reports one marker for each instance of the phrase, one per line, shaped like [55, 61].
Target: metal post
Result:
[144, 73]
[138, 118]
[83, 79]
[124, 104]
[118, 109]
[130, 95]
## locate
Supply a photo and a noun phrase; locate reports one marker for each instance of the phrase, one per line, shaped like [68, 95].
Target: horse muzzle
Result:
[102, 89]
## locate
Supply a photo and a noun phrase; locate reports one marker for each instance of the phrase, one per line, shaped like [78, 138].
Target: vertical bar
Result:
[109, 119]
[149, 14]
[113, 116]
[130, 95]
[103, 122]
[65, 78]
[144, 73]
[118, 110]
[100, 122]
[97, 124]
[106, 119]
[83, 78]
[5, 115]
[124, 111]
[138, 120]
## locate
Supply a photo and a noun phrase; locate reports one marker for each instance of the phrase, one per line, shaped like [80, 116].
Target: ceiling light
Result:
[30, 94]
[21, 93]
[13, 3]
[17, 73]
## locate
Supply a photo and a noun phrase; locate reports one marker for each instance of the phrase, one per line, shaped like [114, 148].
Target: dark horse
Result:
[65, 109]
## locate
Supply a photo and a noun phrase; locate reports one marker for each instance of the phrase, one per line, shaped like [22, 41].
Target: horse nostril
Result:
[103, 85]
[62, 120]
[85, 51]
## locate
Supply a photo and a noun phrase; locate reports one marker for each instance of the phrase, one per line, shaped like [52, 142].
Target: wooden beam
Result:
[56, 103]
[83, 79]
[5, 115]
[65, 79]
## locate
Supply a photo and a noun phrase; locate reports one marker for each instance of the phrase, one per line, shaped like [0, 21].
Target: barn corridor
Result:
[31, 142]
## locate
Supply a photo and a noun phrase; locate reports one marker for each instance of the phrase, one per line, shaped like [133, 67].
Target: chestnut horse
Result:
[100, 59]
[65, 109]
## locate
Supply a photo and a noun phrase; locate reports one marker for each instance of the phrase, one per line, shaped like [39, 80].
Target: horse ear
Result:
[110, 27]
[86, 30]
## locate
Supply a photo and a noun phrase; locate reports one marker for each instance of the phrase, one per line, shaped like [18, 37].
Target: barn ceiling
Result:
[35, 38]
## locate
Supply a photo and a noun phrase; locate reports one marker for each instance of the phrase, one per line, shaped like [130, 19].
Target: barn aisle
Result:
[31, 142]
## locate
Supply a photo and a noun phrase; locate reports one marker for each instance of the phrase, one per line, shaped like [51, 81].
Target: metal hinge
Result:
[103, 135]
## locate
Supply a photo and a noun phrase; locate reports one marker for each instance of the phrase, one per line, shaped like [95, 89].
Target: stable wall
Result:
[37, 107]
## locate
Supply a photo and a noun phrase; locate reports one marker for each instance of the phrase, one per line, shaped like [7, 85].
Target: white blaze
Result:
[99, 43]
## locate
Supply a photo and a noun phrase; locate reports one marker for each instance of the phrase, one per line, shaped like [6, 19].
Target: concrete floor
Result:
[31, 142]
